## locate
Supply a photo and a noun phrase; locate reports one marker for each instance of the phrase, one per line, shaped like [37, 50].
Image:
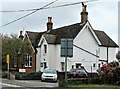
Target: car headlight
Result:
[55, 76]
[43, 75]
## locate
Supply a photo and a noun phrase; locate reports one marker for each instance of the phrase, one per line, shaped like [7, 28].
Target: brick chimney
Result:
[49, 24]
[84, 13]
[21, 36]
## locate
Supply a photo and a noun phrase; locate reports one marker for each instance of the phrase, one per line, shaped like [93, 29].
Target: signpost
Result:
[66, 51]
[66, 47]
[8, 60]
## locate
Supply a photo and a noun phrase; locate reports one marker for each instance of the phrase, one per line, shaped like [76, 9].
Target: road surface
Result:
[26, 84]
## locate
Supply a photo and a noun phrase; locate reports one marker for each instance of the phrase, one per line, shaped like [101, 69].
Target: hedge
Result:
[28, 76]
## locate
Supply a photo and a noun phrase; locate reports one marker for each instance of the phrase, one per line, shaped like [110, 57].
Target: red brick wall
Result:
[33, 68]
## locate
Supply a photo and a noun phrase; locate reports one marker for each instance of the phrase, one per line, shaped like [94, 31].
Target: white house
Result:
[91, 47]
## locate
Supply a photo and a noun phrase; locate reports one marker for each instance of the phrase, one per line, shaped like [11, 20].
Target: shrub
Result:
[94, 80]
[32, 75]
[77, 81]
[5, 74]
[110, 73]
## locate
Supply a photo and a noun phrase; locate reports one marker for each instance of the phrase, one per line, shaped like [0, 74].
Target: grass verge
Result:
[91, 86]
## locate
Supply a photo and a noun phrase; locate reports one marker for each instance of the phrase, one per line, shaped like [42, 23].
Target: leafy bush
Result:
[32, 75]
[94, 80]
[110, 73]
[5, 74]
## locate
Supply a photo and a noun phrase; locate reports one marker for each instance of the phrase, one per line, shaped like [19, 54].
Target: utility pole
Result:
[66, 52]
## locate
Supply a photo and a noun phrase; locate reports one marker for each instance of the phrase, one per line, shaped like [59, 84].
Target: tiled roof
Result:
[70, 31]
[54, 36]
[51, 39]
[34, 37]
[105, 39]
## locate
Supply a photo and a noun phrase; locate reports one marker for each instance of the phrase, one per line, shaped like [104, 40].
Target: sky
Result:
[102, 14]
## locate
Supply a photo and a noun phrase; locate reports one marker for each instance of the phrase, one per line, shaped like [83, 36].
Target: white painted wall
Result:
[52, 56]
[111, 54]
[41, 55]
[38, 60]
[85, 40]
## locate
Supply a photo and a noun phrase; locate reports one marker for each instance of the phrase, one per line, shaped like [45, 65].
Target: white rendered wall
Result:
[86, 40]
[111, 54]
[38, 60]
[52, 56]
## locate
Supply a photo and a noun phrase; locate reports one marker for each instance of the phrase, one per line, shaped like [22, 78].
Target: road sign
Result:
[66, 51]
[7, 58]
[67, 44]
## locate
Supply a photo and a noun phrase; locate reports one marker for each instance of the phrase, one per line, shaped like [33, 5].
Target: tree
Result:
[24, 48]
[12, 45]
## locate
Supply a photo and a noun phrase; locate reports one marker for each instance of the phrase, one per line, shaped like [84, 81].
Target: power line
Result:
[44, 7]
[49, 7]
[72, 4]
[29, 14]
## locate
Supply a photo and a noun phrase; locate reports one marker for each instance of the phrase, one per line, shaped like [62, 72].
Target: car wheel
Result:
[42, 80]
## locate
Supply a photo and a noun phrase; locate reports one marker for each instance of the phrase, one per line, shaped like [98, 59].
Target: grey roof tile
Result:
[71, 31]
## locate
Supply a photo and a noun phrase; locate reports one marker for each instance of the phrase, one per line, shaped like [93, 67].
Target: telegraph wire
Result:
[44, 7]
[49, 7]
[72, 4]
[28, 14]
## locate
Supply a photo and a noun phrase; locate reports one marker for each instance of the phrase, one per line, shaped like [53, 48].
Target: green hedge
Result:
[5, 74]
[28, 76]
[77, 81]
[94, 80]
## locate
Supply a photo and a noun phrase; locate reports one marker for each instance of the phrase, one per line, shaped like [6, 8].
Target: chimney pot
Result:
[49, 24]
[21, 36]
[84, 13]
[49, 19]
[20, 33]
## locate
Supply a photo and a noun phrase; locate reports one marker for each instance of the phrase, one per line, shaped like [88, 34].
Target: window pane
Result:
[45, 48]
[30, 61]
[62, 66]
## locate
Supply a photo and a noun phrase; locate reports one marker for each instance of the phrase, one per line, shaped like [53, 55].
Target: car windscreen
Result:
[80, 71]
[50, 71]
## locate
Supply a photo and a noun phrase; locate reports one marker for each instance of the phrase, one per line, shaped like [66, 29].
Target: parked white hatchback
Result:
[49, 75]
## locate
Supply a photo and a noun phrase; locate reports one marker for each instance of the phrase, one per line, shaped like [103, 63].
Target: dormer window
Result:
[45, 48]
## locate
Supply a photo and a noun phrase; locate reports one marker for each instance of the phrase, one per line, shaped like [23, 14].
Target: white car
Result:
[49, 75]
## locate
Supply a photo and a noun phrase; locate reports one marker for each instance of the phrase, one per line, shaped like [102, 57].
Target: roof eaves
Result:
[30, 41]
[110, 42]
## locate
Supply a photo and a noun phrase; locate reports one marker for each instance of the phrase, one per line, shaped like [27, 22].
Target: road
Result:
[26, 84]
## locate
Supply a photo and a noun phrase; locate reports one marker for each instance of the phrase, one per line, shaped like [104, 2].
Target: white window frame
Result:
[28, 59]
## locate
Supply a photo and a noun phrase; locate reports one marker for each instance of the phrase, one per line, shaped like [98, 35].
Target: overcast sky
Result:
[103, 15]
